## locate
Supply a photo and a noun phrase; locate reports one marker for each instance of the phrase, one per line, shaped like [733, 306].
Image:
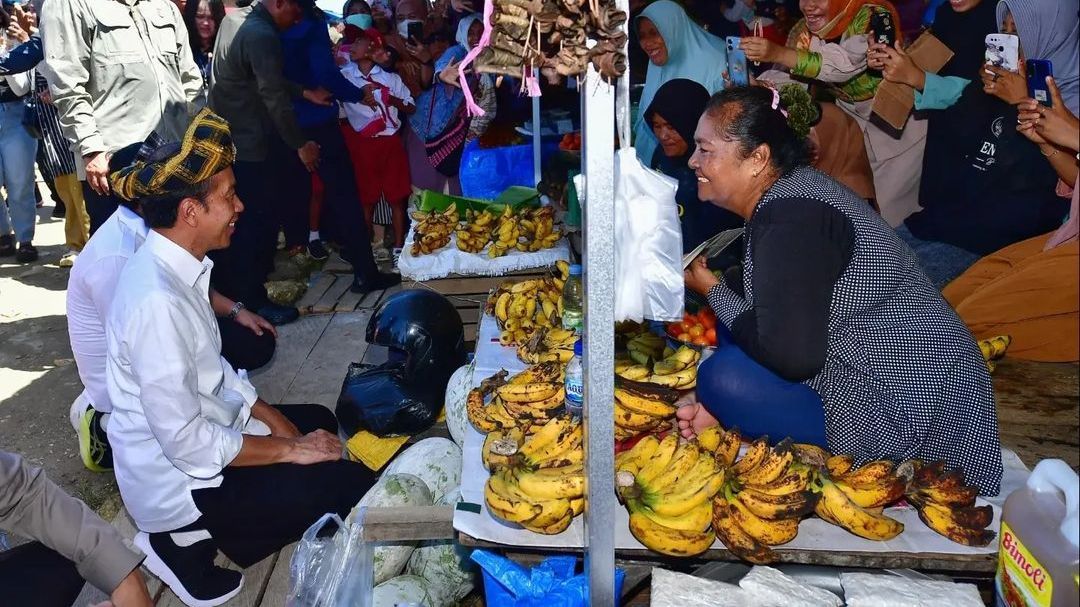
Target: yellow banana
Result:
[728, 449]
[872, 472]
[541, 373]
[778, 507]
[668, 541]
[552, 512]
[476, 411]
[506, 503]
[947, 522]
[839, 465]
[572, 457]
[548, 434]
[735, 538]
[638, 455]
[686, 457]
[528, 393]
[796, 478]
[811, 455]
[680, 503]
[770, 469]
[854, 518]
[770, 533]
[564, 269]
[696, 520]
[542, 409]
[753, 457]
[645, 406]
[669, 366]
[500, 446]
[496, 412]
[577, 506]
[709, 438]
[636, 372]
[634, 421]
[659, 460]
[552, 483]
[874, 495]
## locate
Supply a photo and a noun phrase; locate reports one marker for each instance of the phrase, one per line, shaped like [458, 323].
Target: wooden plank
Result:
[320, 376]
[1037, 409]
[348, 302]
[328, 302]
[277, 586]
[318, 287]
[370, 300]
[409, 523]
[251, 594]
[294, 344]
[337, 265]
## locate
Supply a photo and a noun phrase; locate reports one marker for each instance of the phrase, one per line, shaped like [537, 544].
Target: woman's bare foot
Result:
[693, 417]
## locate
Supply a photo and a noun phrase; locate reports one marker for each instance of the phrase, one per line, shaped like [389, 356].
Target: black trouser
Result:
[98, 207]
[32, 574]
[243, 348]
[342, 213]
[259, 510]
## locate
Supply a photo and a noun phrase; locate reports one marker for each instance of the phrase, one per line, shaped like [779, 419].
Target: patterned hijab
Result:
[1049, 29]
[207, 149]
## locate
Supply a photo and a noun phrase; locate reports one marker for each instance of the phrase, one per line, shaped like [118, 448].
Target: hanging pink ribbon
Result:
[485, 40]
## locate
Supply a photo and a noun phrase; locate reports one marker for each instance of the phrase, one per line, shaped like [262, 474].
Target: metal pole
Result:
[622, 96]
[536, 134]
[598, 208]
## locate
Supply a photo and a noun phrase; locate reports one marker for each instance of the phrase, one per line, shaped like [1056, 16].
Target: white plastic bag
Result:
[648, 243]
[332, 571]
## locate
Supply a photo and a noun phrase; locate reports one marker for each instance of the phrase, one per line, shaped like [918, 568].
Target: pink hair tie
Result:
[776, 102]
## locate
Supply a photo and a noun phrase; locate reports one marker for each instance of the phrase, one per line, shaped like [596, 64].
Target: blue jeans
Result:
[738, 391]
[17, 153]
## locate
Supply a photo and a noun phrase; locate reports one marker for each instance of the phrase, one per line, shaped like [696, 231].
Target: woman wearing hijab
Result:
[984, 185]
[828, 48]
[673, 116]
[677, 48]
[440, 127]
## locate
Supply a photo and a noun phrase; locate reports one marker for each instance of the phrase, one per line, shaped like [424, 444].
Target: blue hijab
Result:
[1049, 29]
[693, 54]
[438, 105]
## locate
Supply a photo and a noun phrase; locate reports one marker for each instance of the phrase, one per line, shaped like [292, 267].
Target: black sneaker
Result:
[189, 571]
[27, 253]
[381, 281]
[317, 250]
[94, 442]
[7, 245]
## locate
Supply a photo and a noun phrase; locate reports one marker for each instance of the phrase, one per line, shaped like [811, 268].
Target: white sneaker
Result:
[68, 259]
[381, 254]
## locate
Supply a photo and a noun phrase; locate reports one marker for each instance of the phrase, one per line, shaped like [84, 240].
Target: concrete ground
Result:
[38, 379]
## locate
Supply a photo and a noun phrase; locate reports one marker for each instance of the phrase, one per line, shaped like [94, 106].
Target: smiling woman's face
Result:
[816, 13]
[717, 164]
[652, 42]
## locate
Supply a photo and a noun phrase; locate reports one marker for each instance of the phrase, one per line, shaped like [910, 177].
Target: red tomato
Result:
[700, 341]
[675, 328]
[689, 318]
[710, 336]
[696, 331]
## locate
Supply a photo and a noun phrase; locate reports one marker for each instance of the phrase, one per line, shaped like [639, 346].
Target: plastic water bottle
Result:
[574, 383]
[572, 296]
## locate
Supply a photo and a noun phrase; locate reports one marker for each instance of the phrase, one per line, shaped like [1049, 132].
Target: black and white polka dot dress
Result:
[903, 377]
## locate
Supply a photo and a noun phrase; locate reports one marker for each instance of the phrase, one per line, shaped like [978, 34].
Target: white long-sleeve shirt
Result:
[179, 409]
[91, 288]
[360, 115]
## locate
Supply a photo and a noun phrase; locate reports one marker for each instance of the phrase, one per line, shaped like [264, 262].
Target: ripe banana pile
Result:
[533, 396]
[767, 494]
[642, 408]
[994, 349]
[539, 482]
[523, 307]
[506, 233]
[475, 233]
[853, 498]
[667, 485]
[947, 504]
[554, 344]
[538, 230]
[644, 347]
[677, 371]
[433, 229]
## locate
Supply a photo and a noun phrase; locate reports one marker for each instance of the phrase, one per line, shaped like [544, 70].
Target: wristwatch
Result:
[235, 311]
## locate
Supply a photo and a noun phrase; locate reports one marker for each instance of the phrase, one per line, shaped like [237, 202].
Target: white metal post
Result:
[536, 134]
[598, 209]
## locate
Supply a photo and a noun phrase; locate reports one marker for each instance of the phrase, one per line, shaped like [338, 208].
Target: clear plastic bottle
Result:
[573, 296]
[1038, 562]
[575, 383]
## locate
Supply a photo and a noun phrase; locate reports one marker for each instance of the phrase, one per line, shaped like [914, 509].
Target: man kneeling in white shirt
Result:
[202, 463]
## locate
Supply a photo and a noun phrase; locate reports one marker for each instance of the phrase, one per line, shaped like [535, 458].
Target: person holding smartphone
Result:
[1030, 290]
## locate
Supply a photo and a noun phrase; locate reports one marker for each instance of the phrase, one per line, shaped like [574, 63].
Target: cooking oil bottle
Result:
[1039, 554]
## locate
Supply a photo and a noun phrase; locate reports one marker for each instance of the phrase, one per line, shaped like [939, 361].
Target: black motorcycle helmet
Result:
[425, 329]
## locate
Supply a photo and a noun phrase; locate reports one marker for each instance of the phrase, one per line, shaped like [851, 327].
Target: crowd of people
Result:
[184, 140]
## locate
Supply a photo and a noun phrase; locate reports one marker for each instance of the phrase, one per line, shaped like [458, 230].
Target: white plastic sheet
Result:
[451, 260]
[648, 243]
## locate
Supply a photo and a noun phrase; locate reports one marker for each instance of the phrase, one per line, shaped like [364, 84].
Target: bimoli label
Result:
[1022, 581]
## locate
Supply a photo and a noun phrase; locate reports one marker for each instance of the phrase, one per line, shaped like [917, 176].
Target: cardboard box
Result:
[894, 101]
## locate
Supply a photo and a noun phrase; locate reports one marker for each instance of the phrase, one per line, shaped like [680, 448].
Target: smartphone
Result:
[884, 30]
[736, 62]
[416, 32]
[1038, 70]
[1003, 50]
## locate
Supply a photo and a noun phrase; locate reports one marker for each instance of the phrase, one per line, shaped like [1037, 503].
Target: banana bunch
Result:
[668, 486]
[538, 230]
[432, 231]
[947, 504]
[475, 233]
[767, 494]
[642, 408]
[533, 396]
[542, 485]
[644, 347]
[523, 307]
[853, 498]
[677, 371]
[994, 349]
[554, 344]
[506, 233]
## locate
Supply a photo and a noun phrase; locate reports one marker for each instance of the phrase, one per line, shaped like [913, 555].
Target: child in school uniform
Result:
[372, 132]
